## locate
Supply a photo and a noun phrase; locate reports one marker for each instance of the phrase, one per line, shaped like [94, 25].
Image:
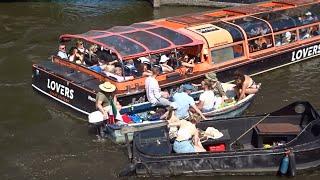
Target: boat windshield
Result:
[151, 41]
[175, 37]
[122, 45]
[93, 33]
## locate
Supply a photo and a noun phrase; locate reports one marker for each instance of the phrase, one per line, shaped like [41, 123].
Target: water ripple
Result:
[13, 84]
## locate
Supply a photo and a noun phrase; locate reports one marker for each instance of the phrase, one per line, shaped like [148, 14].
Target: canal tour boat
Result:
[287, 140]
[251, 39]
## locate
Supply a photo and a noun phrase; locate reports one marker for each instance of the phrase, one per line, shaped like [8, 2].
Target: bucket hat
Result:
[211, 76]
[163, 59]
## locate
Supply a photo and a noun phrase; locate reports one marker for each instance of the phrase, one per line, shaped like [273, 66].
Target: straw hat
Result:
[213, 133]
[211, 76]
[163, 59]
[107, 87]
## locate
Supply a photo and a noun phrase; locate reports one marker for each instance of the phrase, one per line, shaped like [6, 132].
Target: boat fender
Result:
[284, 165]
[292, 165]
[128, 171]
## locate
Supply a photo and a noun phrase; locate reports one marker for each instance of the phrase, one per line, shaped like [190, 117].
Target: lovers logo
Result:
[60, 89]
[305, 52]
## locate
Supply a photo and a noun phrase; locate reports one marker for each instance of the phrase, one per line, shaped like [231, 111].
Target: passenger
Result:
[75, 56]
[163, 64]
[216, 84]
[91, 58]
[287, 38]
[80, 47]
[107, 103]
[171, 118]
[207, 100]
[130, 68]
[185, 102]
[143, 67]
[153, 91]
[186, 62]
[187, 140]
[62, 52]
[245, 85]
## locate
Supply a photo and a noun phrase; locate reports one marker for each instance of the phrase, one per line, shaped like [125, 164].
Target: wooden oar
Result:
[249, 129]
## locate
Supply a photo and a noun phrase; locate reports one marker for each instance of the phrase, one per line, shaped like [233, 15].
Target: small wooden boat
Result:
[253, 38]
[226, 110]
[252, 145]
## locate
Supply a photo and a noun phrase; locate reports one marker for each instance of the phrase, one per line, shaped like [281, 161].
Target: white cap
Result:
[288, 35]
[163, 59]
[308, 13]
[144, 60]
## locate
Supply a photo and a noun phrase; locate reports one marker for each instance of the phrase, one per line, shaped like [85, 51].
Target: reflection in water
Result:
[39, 139]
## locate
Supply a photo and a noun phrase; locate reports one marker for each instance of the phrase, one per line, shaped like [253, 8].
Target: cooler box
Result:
[216, 148]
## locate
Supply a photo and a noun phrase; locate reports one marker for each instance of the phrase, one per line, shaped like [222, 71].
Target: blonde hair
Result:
[93, 47]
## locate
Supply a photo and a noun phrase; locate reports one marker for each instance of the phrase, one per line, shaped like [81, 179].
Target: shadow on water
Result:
[40, 139]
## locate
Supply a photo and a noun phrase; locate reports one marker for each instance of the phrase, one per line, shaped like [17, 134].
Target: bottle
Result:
[284, 165]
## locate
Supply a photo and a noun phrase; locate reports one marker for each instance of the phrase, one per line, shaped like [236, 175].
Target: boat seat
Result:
[278, 128]
[274, 132]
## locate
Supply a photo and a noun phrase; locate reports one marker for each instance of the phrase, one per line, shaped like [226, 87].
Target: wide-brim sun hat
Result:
[163, 59]
[107, 87]
[211, 76]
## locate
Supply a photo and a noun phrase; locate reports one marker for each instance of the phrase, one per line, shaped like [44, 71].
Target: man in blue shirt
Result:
[184, 102]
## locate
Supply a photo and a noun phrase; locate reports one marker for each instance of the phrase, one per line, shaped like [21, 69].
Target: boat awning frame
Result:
[95, 37]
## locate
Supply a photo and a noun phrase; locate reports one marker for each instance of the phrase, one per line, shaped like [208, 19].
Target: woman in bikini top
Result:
[245, 86]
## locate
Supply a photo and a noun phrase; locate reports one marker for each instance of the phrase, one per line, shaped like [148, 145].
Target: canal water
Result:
[40, 139]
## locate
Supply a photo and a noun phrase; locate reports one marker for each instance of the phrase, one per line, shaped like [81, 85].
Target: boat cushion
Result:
[278, 128]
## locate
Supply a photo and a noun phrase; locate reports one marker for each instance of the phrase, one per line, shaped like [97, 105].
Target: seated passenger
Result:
[153, 91]
[75, 56]
[163, 64]
[91, 58]
[187, 140]
[117, 74]
[245, 85]
[80, 47]
[130, 68]
[185, 102]
[207, 100]
[143, 67]
[287, 38]
[62, 52]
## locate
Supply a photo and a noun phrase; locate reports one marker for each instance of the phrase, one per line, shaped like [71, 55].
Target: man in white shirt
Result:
[62, 51]
[153, 91]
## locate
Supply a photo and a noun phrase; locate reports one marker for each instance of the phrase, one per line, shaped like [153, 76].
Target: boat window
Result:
[141, 25]
[152, 42]
[233, 30]
[260, 43]
[309, 32]
[175, 37]
[122, 45]
[252, 26]
[227, 53]
[285, 38]
[93, 33]
[290, 18]
[120, 29]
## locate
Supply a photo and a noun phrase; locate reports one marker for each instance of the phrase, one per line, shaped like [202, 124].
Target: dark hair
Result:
[170, 113]
[72, 49]
[238, 74]
[155, 70]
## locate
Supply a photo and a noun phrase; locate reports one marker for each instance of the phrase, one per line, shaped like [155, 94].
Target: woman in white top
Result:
[207, 100]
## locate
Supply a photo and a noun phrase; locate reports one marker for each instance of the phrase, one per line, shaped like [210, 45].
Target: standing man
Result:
[153, 91]
[62, 51]
[184, 102]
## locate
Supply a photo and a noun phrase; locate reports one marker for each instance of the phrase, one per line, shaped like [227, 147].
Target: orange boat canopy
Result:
[136, 40]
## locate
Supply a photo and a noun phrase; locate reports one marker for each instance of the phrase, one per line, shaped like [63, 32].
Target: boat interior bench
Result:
[225, 139]
[267, 133]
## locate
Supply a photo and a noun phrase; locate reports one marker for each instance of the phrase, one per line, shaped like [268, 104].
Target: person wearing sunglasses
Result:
[62, 51]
